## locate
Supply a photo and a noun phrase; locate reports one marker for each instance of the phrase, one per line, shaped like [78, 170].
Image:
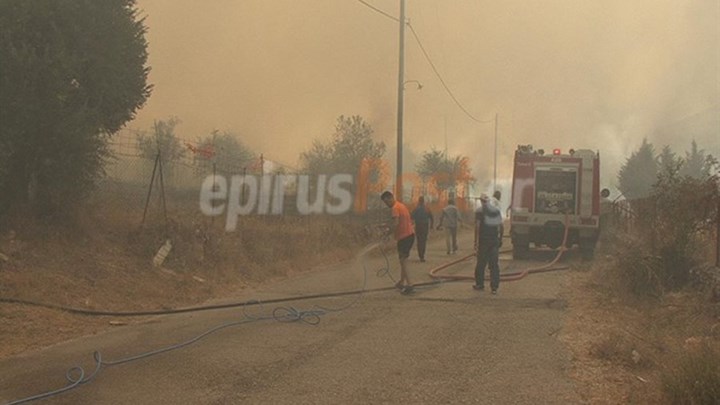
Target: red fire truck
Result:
[550, 189]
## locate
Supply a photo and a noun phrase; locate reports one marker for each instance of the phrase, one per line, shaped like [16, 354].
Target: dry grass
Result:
[694, 378]
[619, 348]
[104, 261]
[617, 309]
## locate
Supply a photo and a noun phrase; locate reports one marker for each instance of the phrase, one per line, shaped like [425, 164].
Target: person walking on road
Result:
[496, 198]
[450, 217]
[423, 219]
[488, 240]
[404, 235]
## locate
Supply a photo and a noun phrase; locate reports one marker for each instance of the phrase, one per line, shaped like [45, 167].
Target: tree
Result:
[431, 162]
[319, 159]
[444, 173]
[72, 72]
[162, 139]
[698, 164]
[224, 150]
[351, 143]
[639, 172]
[668, 162]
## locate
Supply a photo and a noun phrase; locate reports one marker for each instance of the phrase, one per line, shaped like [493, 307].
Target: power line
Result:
[366, 4]
[447, 89]
[432, 65]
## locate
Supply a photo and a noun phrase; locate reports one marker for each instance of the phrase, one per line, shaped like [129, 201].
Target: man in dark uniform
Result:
[423, 219]
[488, 239]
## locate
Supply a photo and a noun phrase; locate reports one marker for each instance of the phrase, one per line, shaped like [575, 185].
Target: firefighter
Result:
[488, 240]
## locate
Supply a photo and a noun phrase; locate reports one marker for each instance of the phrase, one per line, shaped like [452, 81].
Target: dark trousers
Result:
[421, 233]
[487, 255]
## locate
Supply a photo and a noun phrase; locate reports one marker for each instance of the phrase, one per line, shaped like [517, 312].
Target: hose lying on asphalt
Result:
[90, 312]
[383, 271]
[76, 375]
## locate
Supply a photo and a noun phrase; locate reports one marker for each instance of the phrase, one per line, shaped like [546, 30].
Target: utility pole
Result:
[446, 150]
[495, 157]
[717, 237]
[401, 83]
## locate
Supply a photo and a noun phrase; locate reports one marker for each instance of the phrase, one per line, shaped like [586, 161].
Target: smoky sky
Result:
[580, 74]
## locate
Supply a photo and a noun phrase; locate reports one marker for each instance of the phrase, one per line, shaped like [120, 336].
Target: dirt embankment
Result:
[104, 262]
[627, 350]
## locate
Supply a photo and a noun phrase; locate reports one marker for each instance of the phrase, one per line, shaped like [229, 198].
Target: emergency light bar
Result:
[556, 151]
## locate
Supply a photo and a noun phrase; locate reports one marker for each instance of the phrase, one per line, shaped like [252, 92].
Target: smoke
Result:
[576, 74]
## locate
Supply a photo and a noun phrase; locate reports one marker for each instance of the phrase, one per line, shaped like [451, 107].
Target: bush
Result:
[694, 378]
[635, 271]
[671, 221]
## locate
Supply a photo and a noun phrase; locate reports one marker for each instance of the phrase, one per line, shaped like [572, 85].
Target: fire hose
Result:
[515, 276]
[76, 376]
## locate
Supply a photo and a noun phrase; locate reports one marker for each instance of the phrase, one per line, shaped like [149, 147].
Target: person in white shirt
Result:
[488, 240]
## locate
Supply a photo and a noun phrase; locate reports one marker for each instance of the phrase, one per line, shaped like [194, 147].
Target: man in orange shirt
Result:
[404, 235]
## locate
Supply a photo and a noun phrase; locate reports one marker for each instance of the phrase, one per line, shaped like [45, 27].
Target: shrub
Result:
[635, 271]
[693, 378]
[679, 210]
[613, 348]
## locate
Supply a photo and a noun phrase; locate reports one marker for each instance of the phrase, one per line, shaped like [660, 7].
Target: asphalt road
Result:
[442, 344]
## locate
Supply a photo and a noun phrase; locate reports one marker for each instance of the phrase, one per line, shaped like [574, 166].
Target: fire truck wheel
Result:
[587, 250]
[521, 249]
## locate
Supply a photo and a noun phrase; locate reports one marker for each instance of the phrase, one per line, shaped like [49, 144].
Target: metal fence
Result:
[622, 215]
[182, 172]
[146, 178]
[145, 183]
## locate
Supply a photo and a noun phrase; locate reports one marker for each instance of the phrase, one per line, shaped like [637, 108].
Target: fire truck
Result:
[550, 191]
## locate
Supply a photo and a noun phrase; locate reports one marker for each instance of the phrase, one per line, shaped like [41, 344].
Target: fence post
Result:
[162, 193]
[152, 180]
[717, 236]
[242, 190]
[212, 217]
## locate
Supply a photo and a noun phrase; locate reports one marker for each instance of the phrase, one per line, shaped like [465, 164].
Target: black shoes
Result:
[482, 288]
[404, 289]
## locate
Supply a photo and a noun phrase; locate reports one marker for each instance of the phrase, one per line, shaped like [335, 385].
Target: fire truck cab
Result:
[550, 190]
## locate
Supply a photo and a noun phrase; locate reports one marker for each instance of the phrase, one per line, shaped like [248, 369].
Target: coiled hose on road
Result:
[76, 377]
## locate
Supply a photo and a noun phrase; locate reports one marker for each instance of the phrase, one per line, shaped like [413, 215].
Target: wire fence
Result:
[168, 180]
[622, 215]
[172, 174]
[184, 167]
